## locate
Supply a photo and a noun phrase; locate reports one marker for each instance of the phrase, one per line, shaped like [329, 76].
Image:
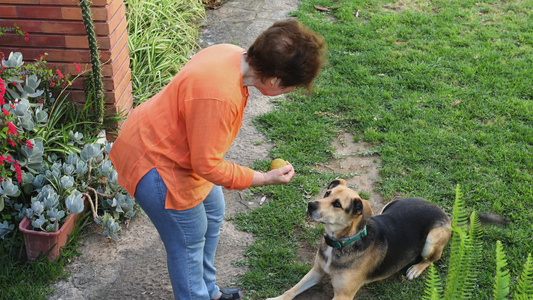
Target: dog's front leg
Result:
[310, 279]
[346, 284]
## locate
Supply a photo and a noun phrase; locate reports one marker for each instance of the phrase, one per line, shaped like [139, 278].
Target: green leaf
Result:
[525, 283]
[502, 278]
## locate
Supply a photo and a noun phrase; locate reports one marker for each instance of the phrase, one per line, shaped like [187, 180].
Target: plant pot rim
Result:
[25, 227]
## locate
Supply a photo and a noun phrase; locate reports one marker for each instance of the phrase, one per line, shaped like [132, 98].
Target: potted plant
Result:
[47, 168]
[46, 214]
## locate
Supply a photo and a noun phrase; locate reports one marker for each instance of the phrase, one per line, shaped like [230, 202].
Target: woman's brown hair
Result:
[289, 51]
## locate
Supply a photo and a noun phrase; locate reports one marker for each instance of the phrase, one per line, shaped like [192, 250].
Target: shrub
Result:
[46, 165]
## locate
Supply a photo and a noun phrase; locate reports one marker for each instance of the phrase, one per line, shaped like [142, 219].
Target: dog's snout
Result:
[312, 206]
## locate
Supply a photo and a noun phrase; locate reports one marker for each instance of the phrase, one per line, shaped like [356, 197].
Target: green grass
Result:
[443, 90]
[20, 279]
[162, 37]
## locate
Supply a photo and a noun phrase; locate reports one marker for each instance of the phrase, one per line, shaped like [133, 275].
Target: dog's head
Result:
[340, 208]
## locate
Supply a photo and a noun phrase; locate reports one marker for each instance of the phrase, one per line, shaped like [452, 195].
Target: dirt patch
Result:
[134, 267]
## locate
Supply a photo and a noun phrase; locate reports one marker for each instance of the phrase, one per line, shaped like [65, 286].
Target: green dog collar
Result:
[343, 242]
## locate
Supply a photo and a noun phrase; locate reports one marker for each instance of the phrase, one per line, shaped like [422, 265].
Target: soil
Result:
[134, 267]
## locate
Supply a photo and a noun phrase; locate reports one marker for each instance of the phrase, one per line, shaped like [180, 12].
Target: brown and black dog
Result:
[359, 249]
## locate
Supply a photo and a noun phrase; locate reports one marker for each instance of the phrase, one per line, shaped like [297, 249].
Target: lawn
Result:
[443, 90]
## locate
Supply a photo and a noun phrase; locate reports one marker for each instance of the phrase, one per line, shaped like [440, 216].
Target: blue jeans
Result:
[190, 237]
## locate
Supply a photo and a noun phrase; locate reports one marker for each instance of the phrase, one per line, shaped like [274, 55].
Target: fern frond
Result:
[459, 264]
[460, 215]
[472, 257]
[433, 285]
[525, 283]
[465, 252]
[502, 278]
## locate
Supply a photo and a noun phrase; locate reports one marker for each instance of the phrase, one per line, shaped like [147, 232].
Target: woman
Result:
[169, 153]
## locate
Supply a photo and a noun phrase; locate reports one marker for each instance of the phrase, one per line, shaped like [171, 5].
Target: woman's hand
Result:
[282, 175]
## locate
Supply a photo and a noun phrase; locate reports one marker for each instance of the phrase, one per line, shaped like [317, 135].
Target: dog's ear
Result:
[356, 207]
[359, 206]
[336, 182]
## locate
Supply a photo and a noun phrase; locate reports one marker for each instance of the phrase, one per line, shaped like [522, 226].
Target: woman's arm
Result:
[277, 176]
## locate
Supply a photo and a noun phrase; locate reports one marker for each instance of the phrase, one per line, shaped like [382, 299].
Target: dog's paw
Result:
[414, 271]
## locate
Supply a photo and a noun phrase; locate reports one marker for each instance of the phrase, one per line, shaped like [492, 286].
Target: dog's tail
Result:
[491, 219]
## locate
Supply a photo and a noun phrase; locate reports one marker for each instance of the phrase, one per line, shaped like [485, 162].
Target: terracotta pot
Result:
[38, 242]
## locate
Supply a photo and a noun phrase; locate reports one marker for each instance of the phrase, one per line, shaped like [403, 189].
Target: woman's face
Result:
[272, 87]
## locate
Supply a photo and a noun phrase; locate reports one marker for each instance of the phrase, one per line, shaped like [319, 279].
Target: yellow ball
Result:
[278, 163]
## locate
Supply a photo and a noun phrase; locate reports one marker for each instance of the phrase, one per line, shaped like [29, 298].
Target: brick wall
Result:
[56, 27]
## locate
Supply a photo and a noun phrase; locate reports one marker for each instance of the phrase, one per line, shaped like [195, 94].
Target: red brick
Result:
[79, 96]
[123, 101]
[122, 85]
[67, 27]
[112, 68]
[77, 42]
[108, 69]
[123, 72]
[63, 37]
[80, 42]
[119, 31]
[72, 13]
[84, 55]
[27, 25]
[64, 27]
[8, 11]
[19, 1]
[35, 40]
[41, 12]
[54, 55]
[12, 39]
[118, 47]
[109, 11]
[95, 3]
[106, 28]
[110, 83]
[98, 13]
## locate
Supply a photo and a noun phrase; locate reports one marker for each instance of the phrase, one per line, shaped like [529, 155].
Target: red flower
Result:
[9, 159]
[12, 129]
[18, 171]
[2, 92]
[60, 75]
[5, 112]
[29, 144]
[52, 84]
[12, 144]
[1, 160]
[77, 67]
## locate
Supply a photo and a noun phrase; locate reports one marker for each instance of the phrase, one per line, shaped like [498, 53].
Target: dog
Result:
[359, 249]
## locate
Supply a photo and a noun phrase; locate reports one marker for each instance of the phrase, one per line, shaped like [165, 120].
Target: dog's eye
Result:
[337, 203]
[327, 194]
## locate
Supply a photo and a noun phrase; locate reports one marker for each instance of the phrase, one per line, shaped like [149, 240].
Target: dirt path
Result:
[134, 267]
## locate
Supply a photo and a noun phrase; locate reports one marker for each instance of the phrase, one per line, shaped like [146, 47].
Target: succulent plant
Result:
[14, 60]
[111, 227]
[58, 169]
[5, 228]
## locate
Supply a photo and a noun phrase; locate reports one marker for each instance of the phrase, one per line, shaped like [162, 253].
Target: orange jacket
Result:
[185, 130]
